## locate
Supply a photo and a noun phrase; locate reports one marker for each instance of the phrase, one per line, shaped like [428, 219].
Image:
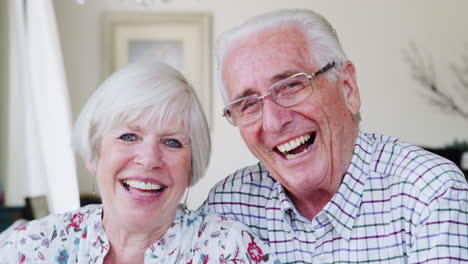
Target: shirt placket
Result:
[322, 230]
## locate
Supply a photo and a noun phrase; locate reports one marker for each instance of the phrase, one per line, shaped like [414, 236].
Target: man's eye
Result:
[248, 106]
[293, 84]
[128, 137]
[289, 89]
[172, 143]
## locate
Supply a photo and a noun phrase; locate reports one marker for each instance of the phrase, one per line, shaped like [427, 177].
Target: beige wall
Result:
[372, 32]
[3, 88]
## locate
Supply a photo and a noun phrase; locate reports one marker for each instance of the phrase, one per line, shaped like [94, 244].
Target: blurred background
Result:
[411, 59]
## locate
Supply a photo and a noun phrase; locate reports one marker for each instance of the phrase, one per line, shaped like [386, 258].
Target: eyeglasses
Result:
[286, 93]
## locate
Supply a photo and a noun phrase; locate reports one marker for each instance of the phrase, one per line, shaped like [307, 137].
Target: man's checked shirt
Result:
[397, 204]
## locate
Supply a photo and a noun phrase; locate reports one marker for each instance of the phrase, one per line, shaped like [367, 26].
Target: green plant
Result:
[423, 71]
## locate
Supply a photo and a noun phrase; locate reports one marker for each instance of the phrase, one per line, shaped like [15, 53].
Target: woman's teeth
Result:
[146, 186]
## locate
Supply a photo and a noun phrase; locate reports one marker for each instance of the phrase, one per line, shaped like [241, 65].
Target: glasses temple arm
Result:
[324, 69]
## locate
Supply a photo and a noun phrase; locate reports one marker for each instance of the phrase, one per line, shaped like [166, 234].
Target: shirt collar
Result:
[94, 234]
[278, 198]
[279, 192]
[345, 204]
[286, 205]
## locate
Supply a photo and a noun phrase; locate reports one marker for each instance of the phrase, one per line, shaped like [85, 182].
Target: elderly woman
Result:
[143, 134]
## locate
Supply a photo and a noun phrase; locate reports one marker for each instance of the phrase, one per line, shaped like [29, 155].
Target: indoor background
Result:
[377, 35]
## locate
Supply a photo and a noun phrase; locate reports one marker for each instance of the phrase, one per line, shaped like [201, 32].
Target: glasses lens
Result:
[245, 110]
[292, 90]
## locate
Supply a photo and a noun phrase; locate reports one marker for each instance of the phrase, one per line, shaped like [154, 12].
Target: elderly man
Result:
[323, 191]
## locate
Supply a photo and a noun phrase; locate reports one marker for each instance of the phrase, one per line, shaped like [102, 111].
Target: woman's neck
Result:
[128, 245]
[116, 257]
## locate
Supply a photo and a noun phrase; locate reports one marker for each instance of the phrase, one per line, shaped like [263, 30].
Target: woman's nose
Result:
[148, 156]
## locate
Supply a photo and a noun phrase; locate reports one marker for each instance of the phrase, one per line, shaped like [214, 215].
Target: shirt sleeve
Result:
[442, 233]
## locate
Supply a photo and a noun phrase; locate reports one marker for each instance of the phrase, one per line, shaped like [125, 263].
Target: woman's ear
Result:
[90, 166]
[350, 88]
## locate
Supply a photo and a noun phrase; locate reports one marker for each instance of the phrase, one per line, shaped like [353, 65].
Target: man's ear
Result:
[350, 88]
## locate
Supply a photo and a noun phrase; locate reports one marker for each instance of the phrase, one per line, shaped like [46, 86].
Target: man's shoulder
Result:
[427, 172]
[243, 194]
[254, 177]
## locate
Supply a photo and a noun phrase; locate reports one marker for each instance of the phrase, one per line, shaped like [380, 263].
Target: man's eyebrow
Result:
[283, 75]
[245, 93]
[277, 77]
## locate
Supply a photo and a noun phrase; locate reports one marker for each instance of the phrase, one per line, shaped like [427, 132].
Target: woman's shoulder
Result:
[54, 230]
[68, 222]
[224, 239]
[207, 221]
[211, 224]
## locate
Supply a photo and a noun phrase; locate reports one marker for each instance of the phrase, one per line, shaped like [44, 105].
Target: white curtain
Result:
[40, 157]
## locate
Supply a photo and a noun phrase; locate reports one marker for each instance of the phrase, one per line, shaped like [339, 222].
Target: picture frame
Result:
[183, 40]
[36, 207]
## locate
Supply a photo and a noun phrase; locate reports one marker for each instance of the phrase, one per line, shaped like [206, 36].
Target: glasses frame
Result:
[226, 109]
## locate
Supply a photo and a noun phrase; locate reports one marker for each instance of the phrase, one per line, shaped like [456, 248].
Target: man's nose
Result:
[275, 117]
[149, 156]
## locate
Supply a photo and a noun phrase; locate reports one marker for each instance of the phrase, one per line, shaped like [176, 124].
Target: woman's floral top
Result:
[195, 237]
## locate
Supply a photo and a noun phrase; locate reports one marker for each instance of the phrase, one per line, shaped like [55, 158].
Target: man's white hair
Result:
[324, 45]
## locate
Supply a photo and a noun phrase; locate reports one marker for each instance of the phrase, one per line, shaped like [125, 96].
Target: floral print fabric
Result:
[195, 237]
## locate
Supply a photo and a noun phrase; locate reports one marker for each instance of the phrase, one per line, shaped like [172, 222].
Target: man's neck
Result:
[309, 207]
[310, 202]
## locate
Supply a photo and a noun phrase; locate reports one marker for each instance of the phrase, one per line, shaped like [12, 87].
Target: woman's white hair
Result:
[324, 45]
[151, 92]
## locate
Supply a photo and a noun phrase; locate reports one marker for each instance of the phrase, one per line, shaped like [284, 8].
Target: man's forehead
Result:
[257, 80]
[241, 91]
[254, 62]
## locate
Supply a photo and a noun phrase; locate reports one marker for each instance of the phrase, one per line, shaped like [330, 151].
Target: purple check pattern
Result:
[397, 203]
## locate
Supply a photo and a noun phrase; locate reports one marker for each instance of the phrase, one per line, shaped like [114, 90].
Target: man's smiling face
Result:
[308, 146]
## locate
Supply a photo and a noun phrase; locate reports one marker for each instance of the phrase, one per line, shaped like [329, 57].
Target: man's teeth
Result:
[292, 156]
[142, 185]
[288, 146]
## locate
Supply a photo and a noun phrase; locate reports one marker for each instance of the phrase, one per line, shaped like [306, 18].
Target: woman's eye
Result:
[172, 143]
[128, 137]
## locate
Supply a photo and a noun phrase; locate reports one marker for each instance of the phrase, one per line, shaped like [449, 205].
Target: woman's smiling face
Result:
[142, 172]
